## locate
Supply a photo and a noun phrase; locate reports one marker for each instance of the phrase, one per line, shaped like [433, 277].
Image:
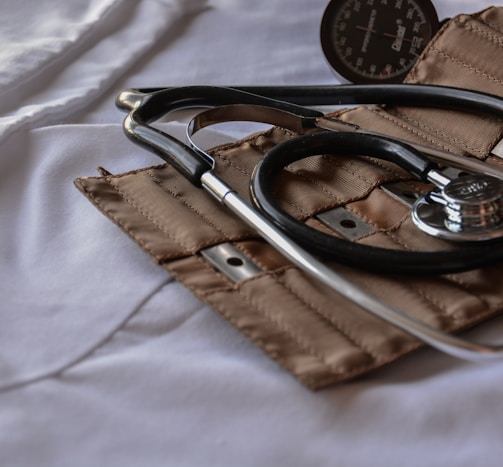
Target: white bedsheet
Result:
[104, 359]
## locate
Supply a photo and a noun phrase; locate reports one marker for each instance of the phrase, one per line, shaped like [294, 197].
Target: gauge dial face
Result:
[376, 41]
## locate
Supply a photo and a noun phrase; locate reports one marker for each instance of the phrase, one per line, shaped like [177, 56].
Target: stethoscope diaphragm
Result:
[469, 208]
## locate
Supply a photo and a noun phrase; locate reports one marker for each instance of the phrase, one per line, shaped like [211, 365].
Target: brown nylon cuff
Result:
[311, 331]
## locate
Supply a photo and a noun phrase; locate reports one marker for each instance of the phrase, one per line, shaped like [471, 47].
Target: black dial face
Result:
[376, 41]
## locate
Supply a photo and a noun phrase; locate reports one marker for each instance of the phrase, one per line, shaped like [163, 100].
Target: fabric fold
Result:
[55, 71]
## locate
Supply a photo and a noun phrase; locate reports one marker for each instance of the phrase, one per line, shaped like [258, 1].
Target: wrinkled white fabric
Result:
[34, 37]
[104, 359]
[60, 58]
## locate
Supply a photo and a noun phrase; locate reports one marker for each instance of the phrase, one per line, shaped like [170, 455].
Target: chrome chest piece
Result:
[469, 208]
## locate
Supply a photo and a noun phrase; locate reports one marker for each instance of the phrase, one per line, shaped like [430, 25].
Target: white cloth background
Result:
[104, 359]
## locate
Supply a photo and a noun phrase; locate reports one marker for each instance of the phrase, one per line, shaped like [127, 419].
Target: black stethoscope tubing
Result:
[156, 102]
[330, 247]
[148, 105]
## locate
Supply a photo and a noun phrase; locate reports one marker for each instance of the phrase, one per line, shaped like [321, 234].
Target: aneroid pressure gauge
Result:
[376, 41]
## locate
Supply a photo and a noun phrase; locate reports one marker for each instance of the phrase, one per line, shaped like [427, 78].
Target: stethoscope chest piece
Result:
[469, 208]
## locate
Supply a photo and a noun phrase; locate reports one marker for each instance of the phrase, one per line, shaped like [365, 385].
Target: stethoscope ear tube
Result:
[327, 246]
[187, 162]
[156, 102]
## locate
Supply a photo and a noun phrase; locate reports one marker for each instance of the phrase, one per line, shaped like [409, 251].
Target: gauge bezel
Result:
[338, 64]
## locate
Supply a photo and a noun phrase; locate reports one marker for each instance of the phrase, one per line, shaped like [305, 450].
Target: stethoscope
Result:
[467, 209]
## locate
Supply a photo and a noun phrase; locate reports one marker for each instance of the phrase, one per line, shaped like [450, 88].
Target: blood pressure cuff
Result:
[311, 331]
